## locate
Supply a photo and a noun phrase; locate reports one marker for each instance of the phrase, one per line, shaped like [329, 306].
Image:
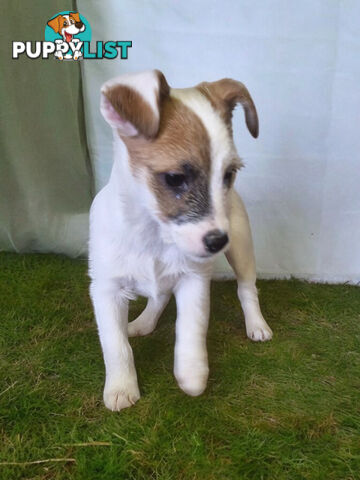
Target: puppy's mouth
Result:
[68, 37]
[200, 258]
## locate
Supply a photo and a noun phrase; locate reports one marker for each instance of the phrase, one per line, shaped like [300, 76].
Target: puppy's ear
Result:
[55, 23]
[225, 94]
[75, 16]
[131, 103]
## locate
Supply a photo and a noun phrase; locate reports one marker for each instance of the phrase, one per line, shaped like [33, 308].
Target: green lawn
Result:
[288, 409]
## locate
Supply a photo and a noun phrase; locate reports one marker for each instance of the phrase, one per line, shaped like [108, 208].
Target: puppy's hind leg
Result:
[146, 322]
[241, 257]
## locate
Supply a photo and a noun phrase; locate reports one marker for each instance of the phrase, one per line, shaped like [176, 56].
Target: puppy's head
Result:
[67, 25]
[181, 152]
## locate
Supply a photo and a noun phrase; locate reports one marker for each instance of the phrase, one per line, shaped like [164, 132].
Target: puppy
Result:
[167, 211]
[67, 26]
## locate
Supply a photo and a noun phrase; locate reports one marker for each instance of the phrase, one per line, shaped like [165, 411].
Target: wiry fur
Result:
[136, 247]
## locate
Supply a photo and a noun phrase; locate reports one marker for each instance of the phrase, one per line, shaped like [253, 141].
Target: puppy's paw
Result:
[77, 55]
[117, 396]
[259, 332]
[192, 379]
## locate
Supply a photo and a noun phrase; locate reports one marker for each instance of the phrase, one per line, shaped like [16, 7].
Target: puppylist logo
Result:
[67, 37]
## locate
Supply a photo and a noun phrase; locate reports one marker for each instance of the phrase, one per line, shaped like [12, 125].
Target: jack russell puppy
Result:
[167, 211]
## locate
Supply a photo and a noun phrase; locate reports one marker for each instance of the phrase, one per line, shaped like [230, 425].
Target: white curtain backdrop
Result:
[301, 62]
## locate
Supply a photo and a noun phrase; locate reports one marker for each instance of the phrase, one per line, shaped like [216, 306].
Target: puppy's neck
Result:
[121, 178]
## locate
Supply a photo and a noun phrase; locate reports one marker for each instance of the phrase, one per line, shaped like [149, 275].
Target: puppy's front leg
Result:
[191, 363]
[111, 312]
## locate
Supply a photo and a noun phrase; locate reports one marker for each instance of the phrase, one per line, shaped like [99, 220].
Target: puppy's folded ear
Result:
[75, 16]
[55, 23]
[131, 103]
[225, 94]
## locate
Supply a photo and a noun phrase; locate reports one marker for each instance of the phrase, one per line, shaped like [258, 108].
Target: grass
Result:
[287, 409]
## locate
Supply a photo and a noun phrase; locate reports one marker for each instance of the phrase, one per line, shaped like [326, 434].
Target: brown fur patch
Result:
[182, 142]
[131, 106]
[164, 88]
[224, 95]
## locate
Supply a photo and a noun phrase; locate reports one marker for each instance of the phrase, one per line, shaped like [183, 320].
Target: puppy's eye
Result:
[175, 180]
[65, 23]
[229, 177]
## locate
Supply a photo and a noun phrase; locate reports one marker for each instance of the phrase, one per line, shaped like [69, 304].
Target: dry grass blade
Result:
[8, 388]
[36, 462]
[88, 444]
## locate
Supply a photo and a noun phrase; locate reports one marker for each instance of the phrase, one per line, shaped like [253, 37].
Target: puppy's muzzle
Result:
[215, 240]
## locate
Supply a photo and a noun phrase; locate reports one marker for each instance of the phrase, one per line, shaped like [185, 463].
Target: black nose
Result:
[215, 240]
[79, 24]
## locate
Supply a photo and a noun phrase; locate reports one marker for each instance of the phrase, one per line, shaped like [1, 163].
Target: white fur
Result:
[131, 252]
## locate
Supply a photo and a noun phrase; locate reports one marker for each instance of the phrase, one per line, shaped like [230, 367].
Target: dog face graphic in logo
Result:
[67, 26]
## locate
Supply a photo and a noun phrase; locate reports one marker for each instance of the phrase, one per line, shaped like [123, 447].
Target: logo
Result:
[68, 30]
[67, 37]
